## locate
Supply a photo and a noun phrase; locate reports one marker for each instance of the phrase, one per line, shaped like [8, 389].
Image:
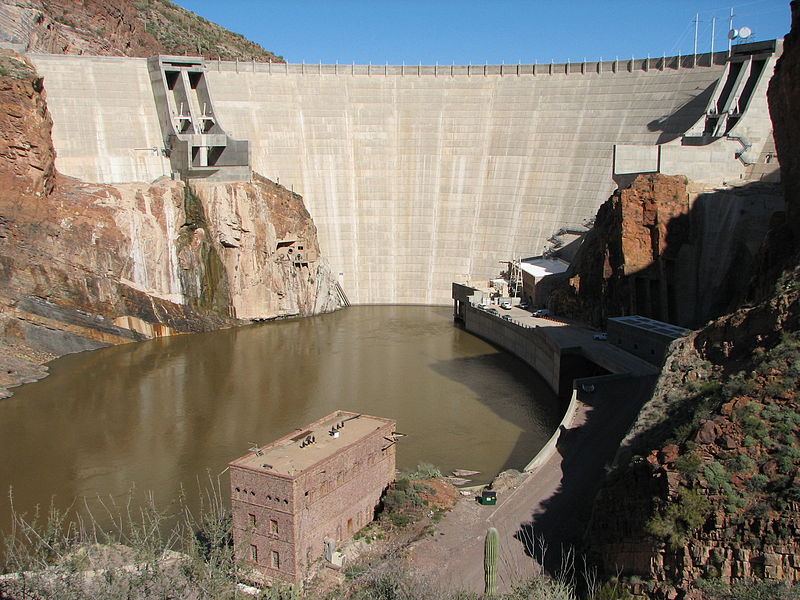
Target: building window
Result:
[276, 560]
[254, 553]
[252, 520]
[273, 526]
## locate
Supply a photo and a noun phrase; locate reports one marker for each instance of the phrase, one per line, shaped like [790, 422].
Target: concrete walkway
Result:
[553, 503]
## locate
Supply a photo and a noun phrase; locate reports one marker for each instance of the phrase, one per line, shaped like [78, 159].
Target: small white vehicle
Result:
[506, 305]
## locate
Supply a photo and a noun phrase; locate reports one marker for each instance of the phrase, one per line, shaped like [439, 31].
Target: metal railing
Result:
[617, 65]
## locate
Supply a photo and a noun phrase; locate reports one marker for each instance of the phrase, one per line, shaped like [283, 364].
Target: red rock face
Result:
[658, 250]
[92, 27]
[635, 230]
[26, 149]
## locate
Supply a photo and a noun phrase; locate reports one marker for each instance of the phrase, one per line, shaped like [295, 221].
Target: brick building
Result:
[314, 487]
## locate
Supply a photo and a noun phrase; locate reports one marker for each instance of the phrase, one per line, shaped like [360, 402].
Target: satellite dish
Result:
[742, 34]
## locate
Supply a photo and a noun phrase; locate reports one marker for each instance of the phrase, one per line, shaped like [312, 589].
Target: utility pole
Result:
[713, 30]
[696, 25]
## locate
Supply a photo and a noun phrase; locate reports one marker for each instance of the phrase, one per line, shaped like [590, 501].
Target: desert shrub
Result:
[401, 499]
[757, 482]
[426, 471]
[748, 590]
[131, 561]
[674, 523]
[740, 463]
[716, 475]
[689, 464]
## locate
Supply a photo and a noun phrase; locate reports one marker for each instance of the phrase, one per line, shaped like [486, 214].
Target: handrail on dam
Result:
[533, 69]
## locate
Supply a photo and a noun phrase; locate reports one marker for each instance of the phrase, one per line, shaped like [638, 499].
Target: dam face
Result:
[415, 176]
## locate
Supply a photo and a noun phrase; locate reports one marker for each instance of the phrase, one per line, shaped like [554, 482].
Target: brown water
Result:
[162, 414]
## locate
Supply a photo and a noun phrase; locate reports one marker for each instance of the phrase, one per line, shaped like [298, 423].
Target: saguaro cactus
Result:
[490, 560]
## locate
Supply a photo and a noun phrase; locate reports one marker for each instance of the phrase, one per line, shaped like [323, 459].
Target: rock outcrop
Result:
[667, 249]
[706, 485]
[119, 28]
[707, 482]
[86, 265]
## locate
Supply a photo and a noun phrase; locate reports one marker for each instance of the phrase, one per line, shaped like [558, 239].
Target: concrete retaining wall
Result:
[527, 343]
[550, 447]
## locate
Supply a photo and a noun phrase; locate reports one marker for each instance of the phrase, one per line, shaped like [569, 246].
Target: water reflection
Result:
[161, 414]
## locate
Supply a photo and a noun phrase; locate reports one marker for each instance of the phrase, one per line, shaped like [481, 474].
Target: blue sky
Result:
[493, 31]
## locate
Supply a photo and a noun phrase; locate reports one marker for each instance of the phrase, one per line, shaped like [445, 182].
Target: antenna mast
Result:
[730, 28]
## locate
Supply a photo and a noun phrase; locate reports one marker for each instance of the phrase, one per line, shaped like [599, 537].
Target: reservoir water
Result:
[160, 415]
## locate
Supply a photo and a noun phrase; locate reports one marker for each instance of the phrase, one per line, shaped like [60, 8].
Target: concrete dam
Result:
[417, 176]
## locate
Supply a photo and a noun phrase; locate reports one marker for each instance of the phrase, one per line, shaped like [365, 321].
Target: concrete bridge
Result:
[417, 176]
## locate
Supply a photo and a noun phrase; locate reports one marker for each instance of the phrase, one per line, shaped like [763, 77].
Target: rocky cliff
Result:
[119, 28]
[86, 265]
[668, 249]
[704, 495]
[707, 483]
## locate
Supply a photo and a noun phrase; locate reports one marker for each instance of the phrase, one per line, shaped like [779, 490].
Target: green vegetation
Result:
[425, 471]
[738, 434]
[680, 518]
[402, 501]
[748, 590]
